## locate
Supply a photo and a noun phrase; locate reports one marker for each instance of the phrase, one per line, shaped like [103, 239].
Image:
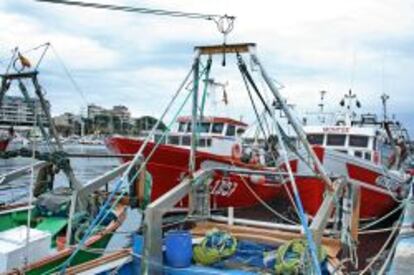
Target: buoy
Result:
[236, 151]
[258, 179]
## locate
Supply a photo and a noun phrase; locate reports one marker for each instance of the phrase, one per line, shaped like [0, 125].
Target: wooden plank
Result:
[356, 202]
[325, 211]
[228, 48]
[104, 260]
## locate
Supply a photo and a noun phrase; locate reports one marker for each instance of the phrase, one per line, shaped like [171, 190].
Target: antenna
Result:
[384, 99]
[322, 104]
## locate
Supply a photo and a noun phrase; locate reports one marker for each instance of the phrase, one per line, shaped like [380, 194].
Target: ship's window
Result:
[336, 140]
[181, 127]
[218, 128]
[358, 141]
[240, 131]
[358, 154]
[204, 142]
[186, 141]
[343, 151]
[231, 130]
[204, 127]
[189, 127]
[315, 139]
[157, 139]
[367, 155]
[175, 140]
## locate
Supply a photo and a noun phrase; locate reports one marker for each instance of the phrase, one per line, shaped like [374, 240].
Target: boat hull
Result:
[169, 165]
[4, 143]
[374, 204]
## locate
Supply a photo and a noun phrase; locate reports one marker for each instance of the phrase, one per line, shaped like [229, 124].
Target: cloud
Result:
[138, 60]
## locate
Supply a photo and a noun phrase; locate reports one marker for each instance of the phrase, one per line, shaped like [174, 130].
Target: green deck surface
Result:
[53, 225]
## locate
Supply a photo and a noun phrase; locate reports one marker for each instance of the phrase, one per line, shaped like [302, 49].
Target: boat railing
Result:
[196, 188]
[20, 172]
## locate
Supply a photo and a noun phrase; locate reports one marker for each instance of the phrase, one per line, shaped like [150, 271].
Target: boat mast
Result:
[384, 99]
[348, 99]
[321, 106]
[194, 121]
[296, 126]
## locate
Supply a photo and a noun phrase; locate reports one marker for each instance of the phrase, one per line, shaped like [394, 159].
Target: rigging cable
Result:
[243, 69]
[69, 75]
[224, 23]
[119, 185]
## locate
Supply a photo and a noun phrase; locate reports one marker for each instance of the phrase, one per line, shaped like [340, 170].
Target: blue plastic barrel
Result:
[178, 248]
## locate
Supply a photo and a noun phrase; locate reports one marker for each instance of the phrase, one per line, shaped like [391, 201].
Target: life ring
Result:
[236, 151]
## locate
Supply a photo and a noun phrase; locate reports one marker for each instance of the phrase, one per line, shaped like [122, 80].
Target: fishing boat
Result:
[42, 248]
[38, 231]
[219, 144]
[356, 149]
[199, 243]
[361, 150]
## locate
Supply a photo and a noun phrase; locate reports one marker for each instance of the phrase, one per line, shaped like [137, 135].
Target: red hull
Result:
[169, 164]
[3, 144]
[373, 204]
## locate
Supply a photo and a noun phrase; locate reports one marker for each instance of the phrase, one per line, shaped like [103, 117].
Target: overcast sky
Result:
[139, 60]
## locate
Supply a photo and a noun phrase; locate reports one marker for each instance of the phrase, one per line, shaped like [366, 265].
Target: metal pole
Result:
[194, 122]
[296, 126]
[139, 155]
[69, 172]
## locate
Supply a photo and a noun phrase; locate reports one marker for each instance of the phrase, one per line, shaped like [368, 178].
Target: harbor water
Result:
[84, 168]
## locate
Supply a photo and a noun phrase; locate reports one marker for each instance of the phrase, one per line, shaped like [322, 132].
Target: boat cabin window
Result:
[189, 127]
[367, 155]
[315, 139]
[358, 141]
[186, 141]
[231, 130]
[204, 142]
[336, 140]
[181, 127]
[217, 128]
[204, 127]
[159, 139]
[240, 131]
[358, 154]
[343, 151]
[174, 140]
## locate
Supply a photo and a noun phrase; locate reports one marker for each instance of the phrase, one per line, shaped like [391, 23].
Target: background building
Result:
[17, 112]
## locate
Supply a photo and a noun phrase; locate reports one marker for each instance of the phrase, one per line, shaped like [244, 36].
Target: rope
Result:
[69, 75]
[311, 245]
[375, 258]
[191, 15]
[29, 210]
[102, 215]
[224, 23]
[267, 206]
[312, 248]
[383, 217]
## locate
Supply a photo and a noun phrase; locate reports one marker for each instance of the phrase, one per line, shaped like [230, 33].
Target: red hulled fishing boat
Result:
[219, 144]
